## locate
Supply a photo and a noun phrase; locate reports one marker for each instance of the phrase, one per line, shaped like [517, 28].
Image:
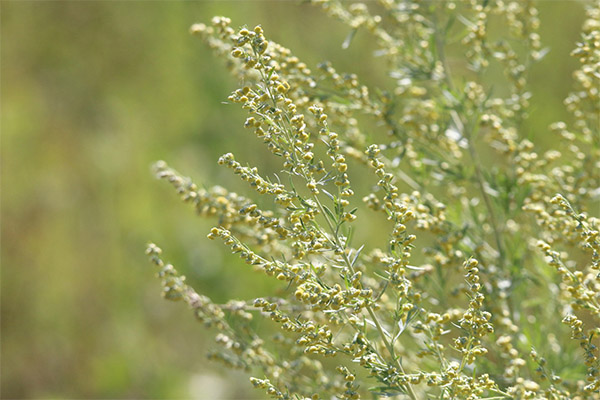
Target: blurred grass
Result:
[92, 94]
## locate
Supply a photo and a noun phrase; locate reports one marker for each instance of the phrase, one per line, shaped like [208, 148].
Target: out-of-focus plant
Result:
[491, 243]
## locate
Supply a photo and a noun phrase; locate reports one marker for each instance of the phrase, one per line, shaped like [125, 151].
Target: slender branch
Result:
[468, 135]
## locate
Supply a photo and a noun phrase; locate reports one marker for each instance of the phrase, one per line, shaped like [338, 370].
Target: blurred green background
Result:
[92, 93]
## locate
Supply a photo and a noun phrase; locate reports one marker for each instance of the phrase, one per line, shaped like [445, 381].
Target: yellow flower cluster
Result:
[459, 302]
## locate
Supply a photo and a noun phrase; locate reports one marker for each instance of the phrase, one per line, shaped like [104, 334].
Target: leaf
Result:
[450, 97]
[402, 326]
[328, 194]
[542, 53]
[348, 39]
[329, 213]
[415, 268]
[449, 24]
[349, 237]
[356, 255]
[387, 391]
[385, 332]
[466, 22]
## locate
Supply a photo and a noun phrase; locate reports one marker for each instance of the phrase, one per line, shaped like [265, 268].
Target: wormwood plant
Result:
[488, 285]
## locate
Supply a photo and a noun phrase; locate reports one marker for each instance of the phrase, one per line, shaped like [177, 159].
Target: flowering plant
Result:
[491, 244]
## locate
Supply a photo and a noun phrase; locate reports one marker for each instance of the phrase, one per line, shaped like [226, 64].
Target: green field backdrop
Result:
[92, 93]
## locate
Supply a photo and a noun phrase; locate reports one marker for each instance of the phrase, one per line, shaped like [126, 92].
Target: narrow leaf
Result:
[348, 39]
[329, 213]
[328, 194]
[357, 254]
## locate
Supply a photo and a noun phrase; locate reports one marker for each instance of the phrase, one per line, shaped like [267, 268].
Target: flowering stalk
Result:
[461, 225]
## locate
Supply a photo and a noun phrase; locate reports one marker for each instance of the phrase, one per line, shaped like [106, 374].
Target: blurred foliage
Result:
[92, 94]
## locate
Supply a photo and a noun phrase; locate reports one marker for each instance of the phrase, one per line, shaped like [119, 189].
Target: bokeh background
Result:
[92, 93]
